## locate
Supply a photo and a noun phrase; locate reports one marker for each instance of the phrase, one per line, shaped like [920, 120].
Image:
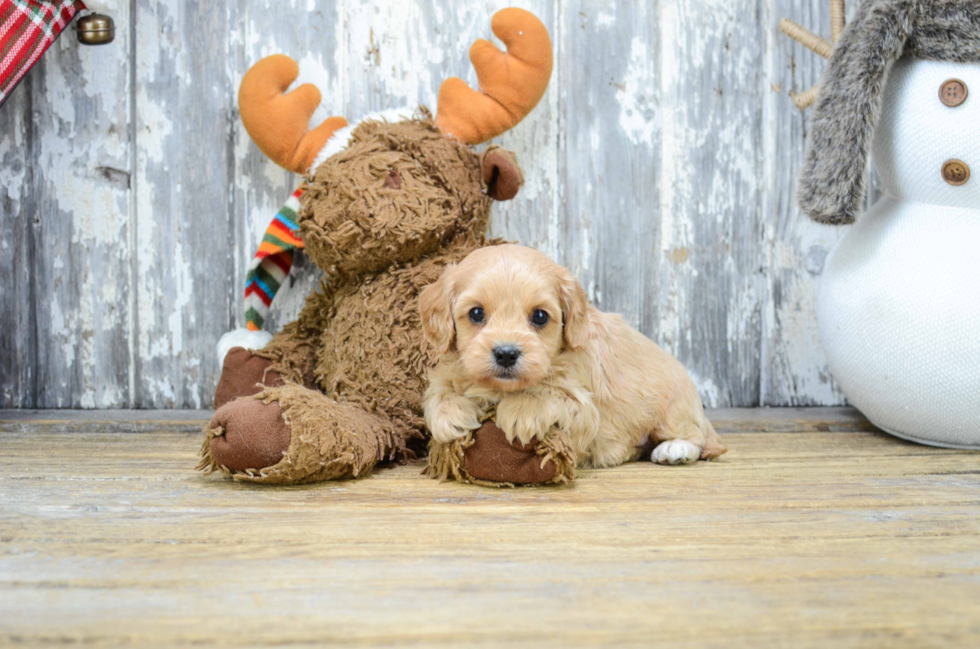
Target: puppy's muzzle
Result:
[506, 356]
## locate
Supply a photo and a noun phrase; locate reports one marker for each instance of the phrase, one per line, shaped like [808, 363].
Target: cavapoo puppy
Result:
[517, 335]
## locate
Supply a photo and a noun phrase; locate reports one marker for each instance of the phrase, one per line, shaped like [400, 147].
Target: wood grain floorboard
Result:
[814, 530]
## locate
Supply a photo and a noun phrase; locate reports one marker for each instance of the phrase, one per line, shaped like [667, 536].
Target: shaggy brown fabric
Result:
[329, 440]
[241, 375]
[315, 438]
[487, 458]
[352, 222]
[354, 362]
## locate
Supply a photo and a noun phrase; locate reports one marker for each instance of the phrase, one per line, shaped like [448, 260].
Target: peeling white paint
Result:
[670, 325]
[383, 52]
[708, 389]
[61, 330]
[638, 114]
[81, 183]
[312, 70]
[652, 116]
[11, 179]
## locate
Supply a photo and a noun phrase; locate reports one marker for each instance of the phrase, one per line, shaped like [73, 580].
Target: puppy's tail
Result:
[712, 443]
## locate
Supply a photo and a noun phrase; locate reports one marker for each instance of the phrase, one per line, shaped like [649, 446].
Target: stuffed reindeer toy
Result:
[388, 203]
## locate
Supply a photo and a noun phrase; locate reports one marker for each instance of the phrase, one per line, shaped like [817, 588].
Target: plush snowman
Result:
[899, 301]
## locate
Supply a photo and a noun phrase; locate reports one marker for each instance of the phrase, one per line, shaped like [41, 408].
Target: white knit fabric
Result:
[341, 137]
[899, 303]
[917, 133]
[240, 338]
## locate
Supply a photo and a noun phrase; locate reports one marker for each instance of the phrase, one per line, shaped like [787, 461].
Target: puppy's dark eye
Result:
[539, 318]
[477, 316]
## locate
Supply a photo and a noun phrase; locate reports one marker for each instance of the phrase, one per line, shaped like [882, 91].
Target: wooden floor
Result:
[813, 530]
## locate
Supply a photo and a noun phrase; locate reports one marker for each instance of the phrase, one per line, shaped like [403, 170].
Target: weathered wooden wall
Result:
[661, 168]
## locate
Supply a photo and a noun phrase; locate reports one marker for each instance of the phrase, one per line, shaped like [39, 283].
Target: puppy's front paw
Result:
[452, 419]
[675, 451]
[526, 417]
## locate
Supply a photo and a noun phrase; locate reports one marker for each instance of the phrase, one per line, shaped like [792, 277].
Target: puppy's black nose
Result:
[506, 355]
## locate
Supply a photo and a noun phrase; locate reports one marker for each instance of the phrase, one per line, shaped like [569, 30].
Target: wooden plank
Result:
[711, 289]
[855, 539]
[103, 421]
[788, 420]
[82, 222]
[725, 420]
[183, 226]
[611, 156]
[794, 371]
[18, 208]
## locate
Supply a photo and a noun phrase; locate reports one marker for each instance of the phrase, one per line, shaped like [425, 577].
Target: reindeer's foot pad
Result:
[241, 375]
[487, 458]
[245, 436]
[294, 435]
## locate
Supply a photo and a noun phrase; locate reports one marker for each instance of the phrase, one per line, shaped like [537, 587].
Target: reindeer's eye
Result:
[539, 318]
[477, 316]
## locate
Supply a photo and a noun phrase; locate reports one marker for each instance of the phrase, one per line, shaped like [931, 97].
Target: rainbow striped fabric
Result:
[272, 262]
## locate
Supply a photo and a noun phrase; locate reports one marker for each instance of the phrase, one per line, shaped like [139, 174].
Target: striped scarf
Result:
[271, 264]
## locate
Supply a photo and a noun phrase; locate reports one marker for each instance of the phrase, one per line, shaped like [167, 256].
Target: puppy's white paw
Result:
[675, 451]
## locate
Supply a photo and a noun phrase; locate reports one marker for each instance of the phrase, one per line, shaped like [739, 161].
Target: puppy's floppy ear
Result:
[501, 173]
[435, 305]
[576, 328]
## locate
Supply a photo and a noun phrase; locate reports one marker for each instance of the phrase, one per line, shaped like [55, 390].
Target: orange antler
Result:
[511, 83]
[278, 122]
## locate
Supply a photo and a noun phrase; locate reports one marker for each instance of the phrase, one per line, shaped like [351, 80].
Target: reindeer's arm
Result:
[293, 350]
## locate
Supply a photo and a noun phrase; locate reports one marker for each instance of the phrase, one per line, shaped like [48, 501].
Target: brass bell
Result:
[95, 29]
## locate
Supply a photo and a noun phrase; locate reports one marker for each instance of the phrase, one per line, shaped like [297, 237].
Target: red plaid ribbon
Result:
[27, 30]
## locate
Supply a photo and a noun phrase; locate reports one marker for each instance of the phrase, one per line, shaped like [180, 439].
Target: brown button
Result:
[953, 93]
[956, 172]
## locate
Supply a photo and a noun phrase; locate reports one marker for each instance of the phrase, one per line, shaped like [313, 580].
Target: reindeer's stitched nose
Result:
[506, 355]
[393, 180]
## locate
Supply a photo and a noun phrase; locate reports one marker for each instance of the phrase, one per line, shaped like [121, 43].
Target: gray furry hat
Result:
[832, 182]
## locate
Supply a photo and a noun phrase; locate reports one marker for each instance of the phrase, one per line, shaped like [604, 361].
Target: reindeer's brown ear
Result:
[576, 327]
[501, 173]
[436, 307]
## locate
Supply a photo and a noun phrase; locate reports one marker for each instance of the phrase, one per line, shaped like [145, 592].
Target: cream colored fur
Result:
[584, 371]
